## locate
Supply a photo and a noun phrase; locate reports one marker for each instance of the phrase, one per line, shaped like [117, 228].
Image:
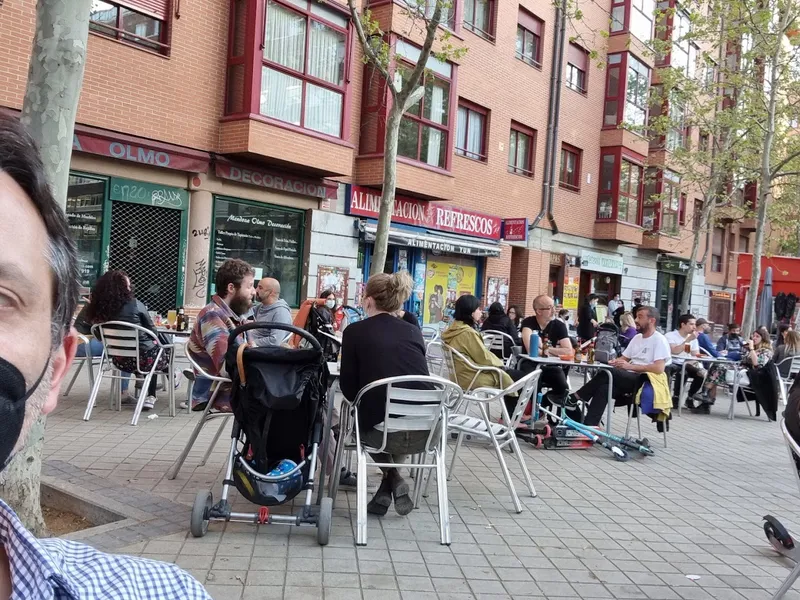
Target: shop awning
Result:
[436, 242]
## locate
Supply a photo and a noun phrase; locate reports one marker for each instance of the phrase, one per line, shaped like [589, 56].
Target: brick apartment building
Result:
[251, 128]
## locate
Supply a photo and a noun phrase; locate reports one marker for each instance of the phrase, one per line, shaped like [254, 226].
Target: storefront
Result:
[601, 274]
[134, 226]
[669, 290]
[720, 307]
[555, 280]
[443, 247]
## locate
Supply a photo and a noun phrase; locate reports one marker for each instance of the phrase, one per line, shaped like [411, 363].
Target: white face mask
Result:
[330, 303]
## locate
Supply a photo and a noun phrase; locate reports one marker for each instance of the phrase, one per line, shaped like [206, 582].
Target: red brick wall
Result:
[529, 273]
[499, 266]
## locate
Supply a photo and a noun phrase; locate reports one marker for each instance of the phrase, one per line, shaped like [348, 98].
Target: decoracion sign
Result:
[275, 181]
[365, 202]
[515, 230]
[151, 194]
[601, 262]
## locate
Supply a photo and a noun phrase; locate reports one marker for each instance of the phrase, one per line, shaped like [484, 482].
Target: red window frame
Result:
[490, 33]
[448, 129]
[566, 181]
[662, 199]
[628, 9]
[483, 112]
[611, 188]
[162, 46]
[617, 65]
[697, 217]
[531, 25]
[304, 77]
[527, 169]
[577, 76]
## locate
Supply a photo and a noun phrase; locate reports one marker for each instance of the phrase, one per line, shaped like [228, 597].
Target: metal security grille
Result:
[145, 243]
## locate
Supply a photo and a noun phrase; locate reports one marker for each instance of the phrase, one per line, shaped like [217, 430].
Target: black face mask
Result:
[12, 407]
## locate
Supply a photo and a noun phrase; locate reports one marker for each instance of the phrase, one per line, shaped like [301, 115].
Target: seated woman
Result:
[377, 347]
[463, 336]
[499, 321]
[627, 327]
[789, 348]
[113, 300]
[95, 349]
[756, 352]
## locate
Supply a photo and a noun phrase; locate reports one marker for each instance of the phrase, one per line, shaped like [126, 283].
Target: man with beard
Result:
[272, 309]
[648, 352]
[209, 340]
[38, 296]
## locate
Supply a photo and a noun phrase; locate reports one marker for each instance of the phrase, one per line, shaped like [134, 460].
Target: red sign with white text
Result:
[155, 155]
[365, 202]
[515, 230]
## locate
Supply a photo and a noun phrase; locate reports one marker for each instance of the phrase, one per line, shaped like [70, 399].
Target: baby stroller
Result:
[277, 400]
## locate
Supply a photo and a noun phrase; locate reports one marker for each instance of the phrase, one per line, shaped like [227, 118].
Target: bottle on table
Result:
[181, 321]
[545, 346]
[578, 355]
[533, 344]
[590, 357]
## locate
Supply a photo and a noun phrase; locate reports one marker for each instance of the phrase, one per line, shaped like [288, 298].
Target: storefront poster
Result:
[444, 284]
[497, 291]
[333, 278]
[643, 295]
[402, 259]
[571, 290]
[358, 302]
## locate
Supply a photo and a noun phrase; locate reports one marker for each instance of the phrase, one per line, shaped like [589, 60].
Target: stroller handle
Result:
[280, 326]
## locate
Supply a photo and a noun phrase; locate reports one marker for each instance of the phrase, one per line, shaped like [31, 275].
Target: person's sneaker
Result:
[177, 378]
[189, 374]
[149, 403]
[703, 409]
[347, 479]
[128, 399]
[689, 404]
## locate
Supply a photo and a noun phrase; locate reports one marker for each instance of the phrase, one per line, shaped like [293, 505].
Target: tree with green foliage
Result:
[405, 87]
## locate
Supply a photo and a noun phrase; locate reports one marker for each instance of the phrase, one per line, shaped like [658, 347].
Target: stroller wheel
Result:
[324, 521]
[538, 441]
[202, 505]
[777, 534]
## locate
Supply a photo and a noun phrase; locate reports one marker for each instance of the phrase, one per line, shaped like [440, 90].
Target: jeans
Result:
[96, 349]
[595, 392]
[399, 445]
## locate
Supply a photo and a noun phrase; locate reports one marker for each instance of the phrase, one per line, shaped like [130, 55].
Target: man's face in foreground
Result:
[26, 300]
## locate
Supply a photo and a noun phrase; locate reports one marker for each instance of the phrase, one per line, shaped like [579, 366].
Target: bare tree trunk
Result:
[765, 185]
[388, 192]
[55, 78]
[797, 231]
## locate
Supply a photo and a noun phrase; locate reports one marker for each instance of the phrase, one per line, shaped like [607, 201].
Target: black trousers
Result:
[595, 392]
[555, 379]
[511, 401]
[693, 371]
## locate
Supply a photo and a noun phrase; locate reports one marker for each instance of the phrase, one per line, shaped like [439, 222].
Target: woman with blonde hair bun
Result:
[380, 346]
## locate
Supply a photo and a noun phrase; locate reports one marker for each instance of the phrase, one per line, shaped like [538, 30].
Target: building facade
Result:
[253, 129]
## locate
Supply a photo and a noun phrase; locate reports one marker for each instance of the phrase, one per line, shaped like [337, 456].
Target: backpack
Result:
[791, 302]
[606, 345]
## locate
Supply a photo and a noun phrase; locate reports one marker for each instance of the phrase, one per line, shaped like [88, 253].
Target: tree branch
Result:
[430, 36]
[365, 44]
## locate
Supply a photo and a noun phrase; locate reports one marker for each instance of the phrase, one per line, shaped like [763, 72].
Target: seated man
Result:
[731, 343]
[704, 339]
[38, 294]
[209, 340]
[648, 352]
[272, 309]
[555, 332]
[681, 339]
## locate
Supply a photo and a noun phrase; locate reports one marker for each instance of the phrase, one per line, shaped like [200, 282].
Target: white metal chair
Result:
[406, 410]
[496, 342]
[502, 434]
[451, 355]
[430, 333]
[88, 361]
[794, 369]
[121, 340]
[207, 416]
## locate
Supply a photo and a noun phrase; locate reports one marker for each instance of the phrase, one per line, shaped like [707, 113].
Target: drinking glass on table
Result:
[172, 317]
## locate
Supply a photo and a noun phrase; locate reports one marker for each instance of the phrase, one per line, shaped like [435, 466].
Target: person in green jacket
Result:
[464, 337]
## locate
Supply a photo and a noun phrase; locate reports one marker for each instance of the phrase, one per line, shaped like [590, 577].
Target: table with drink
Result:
[584, 357]
[176, 323]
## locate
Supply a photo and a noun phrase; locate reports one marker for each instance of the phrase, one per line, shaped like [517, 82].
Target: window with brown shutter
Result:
[142, 23]
[577, 68]
[529, 38]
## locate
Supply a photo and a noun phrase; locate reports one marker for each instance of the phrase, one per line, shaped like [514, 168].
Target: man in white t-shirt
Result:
[679, 340]
[648, 352]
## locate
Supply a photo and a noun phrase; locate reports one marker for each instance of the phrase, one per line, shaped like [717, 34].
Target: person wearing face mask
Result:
[587, 318]
[38, 297]
[377, 347]
[271, 309]
[208, 342]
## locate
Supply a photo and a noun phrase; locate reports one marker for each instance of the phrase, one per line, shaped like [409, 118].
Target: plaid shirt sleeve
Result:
[57, 569]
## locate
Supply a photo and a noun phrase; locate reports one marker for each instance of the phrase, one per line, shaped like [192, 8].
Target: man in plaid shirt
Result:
[38, 296]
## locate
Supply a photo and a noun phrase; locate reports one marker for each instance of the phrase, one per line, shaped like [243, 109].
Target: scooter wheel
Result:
[537, 441]
[777, 534]
[548, 431]
[644, 442]
[619, 454]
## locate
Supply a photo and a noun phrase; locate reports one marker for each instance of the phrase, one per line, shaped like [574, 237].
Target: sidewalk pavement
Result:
[598, 528]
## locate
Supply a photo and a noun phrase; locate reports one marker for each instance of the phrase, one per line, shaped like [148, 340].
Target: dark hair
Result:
[783, 327]
[233, 270]
[326, 293]
[637, 301]
[109, 295]
[496, 309]
[19, 157]
[465, 306]
[652, 312]
[766, 341]
[563, 313]
[684, 319]
[439, 288]
[518, 318]
[591, 297]
[733, 326]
